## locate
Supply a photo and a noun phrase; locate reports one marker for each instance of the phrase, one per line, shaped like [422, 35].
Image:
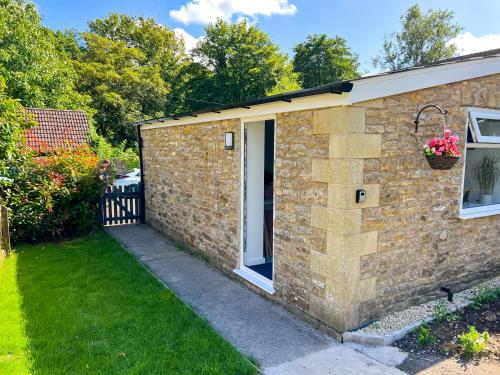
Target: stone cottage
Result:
[322, 200]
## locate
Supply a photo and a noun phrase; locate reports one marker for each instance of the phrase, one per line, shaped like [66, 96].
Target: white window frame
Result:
[481, 142]
[474, 114]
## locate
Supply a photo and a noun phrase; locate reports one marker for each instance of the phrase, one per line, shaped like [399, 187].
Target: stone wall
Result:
[295, 194]
[339, 265]
[192, 187]
[336, 261]
[422, 244]
[192, 191]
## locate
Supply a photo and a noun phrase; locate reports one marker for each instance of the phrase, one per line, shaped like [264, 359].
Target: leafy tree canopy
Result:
[127, 65]
[233, 63]
[424, 39]
[320, 60]
[289, 81]
[33, 70]
[159, 44]
[12, 122]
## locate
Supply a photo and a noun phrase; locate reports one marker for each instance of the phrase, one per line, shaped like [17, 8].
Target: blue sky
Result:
[363, 23]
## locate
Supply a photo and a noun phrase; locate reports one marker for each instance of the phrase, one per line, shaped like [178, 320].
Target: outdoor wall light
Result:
[229, 140]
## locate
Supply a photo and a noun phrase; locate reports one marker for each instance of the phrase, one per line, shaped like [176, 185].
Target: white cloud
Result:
[205, 11]
[468, 43]
[189, 40]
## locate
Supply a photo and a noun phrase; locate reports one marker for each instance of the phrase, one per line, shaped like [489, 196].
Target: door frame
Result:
[242, 270]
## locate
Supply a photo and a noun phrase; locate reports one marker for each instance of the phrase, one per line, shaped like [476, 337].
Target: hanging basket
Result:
[442, 162]
[446, 144]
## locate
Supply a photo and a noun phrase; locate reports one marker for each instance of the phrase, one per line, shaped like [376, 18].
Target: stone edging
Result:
[390, 338]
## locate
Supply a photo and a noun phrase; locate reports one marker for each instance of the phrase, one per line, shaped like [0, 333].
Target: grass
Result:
[87, 307]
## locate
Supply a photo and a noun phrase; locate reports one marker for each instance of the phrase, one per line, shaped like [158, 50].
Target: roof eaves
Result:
[453, 60]
[333, 88]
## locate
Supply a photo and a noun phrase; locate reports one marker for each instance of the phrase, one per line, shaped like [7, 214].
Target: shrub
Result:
[121, 157]
[442, 312]
[425, 337]
[485, 295]
[52, 196]
[473, 343]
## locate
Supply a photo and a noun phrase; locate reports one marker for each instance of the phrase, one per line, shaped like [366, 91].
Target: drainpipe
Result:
[142, 207]
[449, 292]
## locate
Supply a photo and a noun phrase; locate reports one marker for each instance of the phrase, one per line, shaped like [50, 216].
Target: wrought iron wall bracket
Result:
[443, 112]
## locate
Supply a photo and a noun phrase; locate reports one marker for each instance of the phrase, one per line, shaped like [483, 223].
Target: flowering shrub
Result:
[446, 146]
[52, 196]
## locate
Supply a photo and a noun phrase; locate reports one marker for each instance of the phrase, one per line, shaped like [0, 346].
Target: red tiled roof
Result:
[57, 128]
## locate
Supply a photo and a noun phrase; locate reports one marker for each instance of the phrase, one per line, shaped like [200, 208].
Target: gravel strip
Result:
[398, 320]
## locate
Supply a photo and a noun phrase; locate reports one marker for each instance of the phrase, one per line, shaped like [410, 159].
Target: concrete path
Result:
[337, 359]
[281, 343]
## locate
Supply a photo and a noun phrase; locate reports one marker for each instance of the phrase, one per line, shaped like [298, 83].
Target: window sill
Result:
[255, 279]
[464, 215]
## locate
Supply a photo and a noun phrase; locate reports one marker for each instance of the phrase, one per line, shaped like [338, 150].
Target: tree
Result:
[127, 66]
[122, 88]
[159, 44]
[424, 39]
[233, 63]
[321, 60]
[12, 122]
[289, 81]
[33, 70]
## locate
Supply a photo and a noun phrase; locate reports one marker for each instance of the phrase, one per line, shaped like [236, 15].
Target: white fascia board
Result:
[268, 109]
[398, 83]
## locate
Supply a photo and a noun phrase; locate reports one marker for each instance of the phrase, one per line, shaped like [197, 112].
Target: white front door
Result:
[254, 193]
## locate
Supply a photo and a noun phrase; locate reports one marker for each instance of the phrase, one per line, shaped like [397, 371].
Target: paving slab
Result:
[337, 359]
[254, 325]
[388, 355]
[157, 256]
[186, 277]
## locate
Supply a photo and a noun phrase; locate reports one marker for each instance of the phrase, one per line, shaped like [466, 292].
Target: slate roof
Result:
[57, 128]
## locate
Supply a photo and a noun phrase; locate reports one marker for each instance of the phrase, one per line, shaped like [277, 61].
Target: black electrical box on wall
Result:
[360, 195]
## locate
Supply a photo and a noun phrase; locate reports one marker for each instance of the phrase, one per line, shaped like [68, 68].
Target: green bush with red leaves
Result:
[51, 197]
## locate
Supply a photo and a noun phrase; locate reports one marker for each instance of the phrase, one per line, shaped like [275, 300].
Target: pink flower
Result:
[446, 146]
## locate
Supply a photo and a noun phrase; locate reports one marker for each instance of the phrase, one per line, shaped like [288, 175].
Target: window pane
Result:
[482, 177]
[489, 127]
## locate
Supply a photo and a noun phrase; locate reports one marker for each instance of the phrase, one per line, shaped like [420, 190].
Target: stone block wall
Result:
[192, 187]
[422, 243]
[346, 241]
[296, 193]
[336, 261]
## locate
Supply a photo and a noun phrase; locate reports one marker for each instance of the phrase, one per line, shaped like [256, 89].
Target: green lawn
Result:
[87, 307]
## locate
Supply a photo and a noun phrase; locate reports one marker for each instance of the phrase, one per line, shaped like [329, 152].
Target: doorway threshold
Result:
[264, 269]
[255, 278]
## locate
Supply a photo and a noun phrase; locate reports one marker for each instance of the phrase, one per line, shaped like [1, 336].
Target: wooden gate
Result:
[122, 205]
